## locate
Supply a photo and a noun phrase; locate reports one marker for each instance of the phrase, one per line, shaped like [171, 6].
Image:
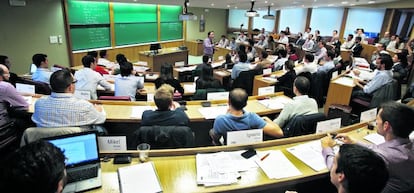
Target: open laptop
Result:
[82, 165]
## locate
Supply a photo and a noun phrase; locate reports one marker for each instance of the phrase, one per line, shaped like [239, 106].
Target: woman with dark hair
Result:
[207, 80]
[285, 82]
[166, 77]
[228, 64]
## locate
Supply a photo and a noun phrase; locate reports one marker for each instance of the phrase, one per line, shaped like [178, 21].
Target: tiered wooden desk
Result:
[176, 168]
[167, 55]
[338, 93]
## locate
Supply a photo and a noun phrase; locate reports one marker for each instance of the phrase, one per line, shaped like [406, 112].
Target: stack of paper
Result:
[276, 165]
[139, 178]
[310, 153]
[221, 168]
[275, 103]
[375, 138]
[213, 112]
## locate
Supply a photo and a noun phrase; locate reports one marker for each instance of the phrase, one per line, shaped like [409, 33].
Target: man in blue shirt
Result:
[241, 66]
[238, 119]
[381, 78]
[42, 73]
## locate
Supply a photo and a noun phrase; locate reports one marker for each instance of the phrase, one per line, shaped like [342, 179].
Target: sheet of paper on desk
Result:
[213, 112]
[270, 79]
[140, 68]
[310, 153]
[138, 110]
[275, 103]
[216, 64]
[361, 61]
[221, 168]
[276, 165]
[375, 138]
[184, 69]
[221, 73]
[141, 63]
[191, 88]
[345, 81]
[139, 178]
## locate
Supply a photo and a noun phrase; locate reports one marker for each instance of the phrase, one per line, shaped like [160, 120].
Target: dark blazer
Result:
[356, 51]
[285, 83]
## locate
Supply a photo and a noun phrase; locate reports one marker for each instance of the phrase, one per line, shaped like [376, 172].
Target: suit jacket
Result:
[357, 49]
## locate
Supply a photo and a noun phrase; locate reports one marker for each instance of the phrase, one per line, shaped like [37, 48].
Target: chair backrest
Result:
[8, 137]
[201, 94]
[162, 137]
[245, 81]
[302, 124]
[117, 98]
[386, 93]
[35, 133]
[40, 87]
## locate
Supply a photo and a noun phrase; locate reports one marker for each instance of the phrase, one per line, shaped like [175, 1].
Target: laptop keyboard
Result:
[82, 174]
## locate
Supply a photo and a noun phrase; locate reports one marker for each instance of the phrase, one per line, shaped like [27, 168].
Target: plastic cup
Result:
[143, 150]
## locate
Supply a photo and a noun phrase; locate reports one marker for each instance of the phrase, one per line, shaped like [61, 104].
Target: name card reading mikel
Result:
[117, 143]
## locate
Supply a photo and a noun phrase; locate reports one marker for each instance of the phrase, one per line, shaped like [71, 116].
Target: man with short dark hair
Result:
[349, 42]
[329, 63]
[242, 65]
[208, 44]
[103, 60]
[206, 62]
[382, 77]
[395, 123]
[62, 109]
[308, 65]
[42, 73]
[357, 47]
[301, 105]
[237, 118]
[36, 167]
[87, 79]
[168, 112]
[6, 61]
[126, 84]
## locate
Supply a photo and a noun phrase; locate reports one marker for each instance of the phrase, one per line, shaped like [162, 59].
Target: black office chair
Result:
[163, 137]
[302, 124]
[245, 81]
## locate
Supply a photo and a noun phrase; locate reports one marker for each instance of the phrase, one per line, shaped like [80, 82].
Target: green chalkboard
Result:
[170, 13]
[86, 12]
[171, 31]
[134, 13]
[87, 38]
[134, 33]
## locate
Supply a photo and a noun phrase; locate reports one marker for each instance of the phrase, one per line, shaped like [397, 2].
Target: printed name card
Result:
[25, 88]
[179, 64]
[117, 143]
[328, 125]
[267, 71]
[244, 136]
[369, 115]
[150, 97]
[266, 90]
[217, 96]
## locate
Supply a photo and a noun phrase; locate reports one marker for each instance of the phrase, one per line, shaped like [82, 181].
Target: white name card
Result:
[267, 71]
[221, 58]
[83, 94]
[217, 96]
[150, 97]
[179, 64]
[328, 125]
[266, 90]
[369, 115]
[25, 88]
[334, 75]
[113, 143]
[244, 136]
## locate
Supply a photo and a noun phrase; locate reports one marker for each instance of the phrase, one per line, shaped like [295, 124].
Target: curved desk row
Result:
[176, 168]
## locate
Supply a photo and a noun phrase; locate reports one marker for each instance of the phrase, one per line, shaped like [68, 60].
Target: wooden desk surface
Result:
[178, 173]
[120, 111]
[338, 93]
[259, 82]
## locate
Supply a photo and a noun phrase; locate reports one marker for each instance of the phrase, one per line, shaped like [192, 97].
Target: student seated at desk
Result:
[166, 77]
[395, 123]
[329, 63]
[126, 84]
[308, 65]
[42, 73]
[206, 80]
[36, 167]
[168, 112]
[98, 68]
[238, 119]
[206, 62]
[263, 62]
[62, 109]
[285, 82]
[103, 60]
[6, 61]
[280, 62]
[87, 79]
[242, 65]
[228, 64]
[301, 105]
[381, 78]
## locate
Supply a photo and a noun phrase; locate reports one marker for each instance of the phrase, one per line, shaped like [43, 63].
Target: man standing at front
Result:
[209, 45]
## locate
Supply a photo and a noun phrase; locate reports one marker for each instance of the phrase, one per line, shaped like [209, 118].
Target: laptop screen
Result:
[79, 149]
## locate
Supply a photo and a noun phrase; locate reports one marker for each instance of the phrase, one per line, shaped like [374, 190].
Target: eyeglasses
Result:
[74, 81]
